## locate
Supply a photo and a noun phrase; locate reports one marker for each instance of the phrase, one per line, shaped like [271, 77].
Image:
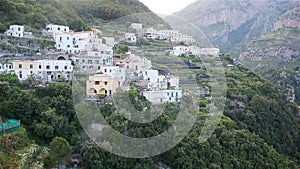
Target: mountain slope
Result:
[78, 15]
[230, 24]
[277, 55]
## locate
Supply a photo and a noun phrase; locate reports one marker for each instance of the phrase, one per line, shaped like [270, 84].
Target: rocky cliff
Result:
[230, 24]
[289, 19]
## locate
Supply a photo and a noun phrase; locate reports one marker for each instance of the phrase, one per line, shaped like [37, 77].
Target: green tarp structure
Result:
[10, 126]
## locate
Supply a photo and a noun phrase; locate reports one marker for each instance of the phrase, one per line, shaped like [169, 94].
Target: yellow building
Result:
[102, 84]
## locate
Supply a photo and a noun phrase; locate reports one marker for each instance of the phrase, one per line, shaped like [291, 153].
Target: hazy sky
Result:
[166, 6]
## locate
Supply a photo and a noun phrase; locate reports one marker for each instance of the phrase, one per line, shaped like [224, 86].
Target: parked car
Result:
[29, 53]
[19, 55]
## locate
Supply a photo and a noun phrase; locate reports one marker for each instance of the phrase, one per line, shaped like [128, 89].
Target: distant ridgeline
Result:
[10, 126]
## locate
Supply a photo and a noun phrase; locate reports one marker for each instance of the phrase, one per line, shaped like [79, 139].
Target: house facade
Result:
[72, 42]
[55, 29]
[130, 38]
[95, 55]
[25, 69]
[137, 26]
[209, 51]
[6, 67]
[163, 96]
[15, 30]
[46, 70]
[102, 84]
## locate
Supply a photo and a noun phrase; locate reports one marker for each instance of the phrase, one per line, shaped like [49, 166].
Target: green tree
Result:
[60, 150]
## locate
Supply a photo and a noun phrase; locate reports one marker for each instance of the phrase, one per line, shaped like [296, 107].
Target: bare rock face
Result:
[281, 45]
[290, 19]
[230, 24]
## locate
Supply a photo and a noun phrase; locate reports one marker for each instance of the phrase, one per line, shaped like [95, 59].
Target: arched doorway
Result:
[103, 91]
[61, 58]
[92, 91]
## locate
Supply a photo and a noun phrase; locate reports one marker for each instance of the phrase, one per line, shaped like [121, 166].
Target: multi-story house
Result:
[102, 84]
[95, 55]
[72, 42]
[130, 38]
[163, 96]
[25, 69]
[55, 29]
[45, 70]
[15, 30]
[6, 67]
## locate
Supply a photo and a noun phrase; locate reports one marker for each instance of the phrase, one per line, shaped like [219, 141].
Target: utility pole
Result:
[15, 164]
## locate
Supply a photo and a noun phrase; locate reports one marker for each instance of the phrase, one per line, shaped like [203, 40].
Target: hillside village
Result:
[89, 51]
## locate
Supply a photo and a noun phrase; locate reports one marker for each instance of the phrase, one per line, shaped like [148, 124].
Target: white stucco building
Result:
[95, 55]
[186, 50]
[209, 51]
[133, 63]
[113, 71]
[6, 67]
[45, 70]
[55, 29]
[137, 26]
[130, 38]
[72, 42]
[15, 30]
[163, 96]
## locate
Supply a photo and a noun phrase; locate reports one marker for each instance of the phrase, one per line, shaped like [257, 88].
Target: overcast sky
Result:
[166, 6]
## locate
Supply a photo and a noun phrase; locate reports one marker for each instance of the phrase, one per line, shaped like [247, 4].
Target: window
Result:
[105, 83]
[47, 67]
[77, 60]
[68, 46]
[56, 67]
[97, 61]
[19, 29]
[40, 66]
[109, 92]
[20, 75]
[127, 67]
[97, 82]
[83, 60]
[66, 67]
[20, 66]
[31, 66]
[58, 28]
[105, 70]
[67, 38]
[66, 31]
[90, 62]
